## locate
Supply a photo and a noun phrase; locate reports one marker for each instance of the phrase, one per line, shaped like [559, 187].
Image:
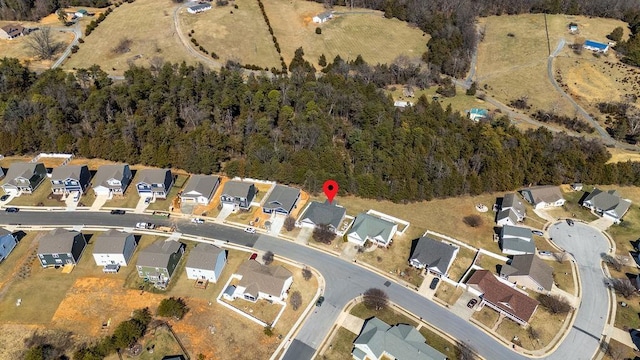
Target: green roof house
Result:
[372, 228]
[476, 114]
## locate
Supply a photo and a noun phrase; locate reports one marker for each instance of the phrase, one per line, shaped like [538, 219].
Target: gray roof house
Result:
[158, 261]
[155, 183]
[516, 240]
[112, 179]
[200, 189]
[379, 340]
[70, 178]
[259, 281]
[507, 217]
[114, 247]
[206, 262]
[317, 213]
[511, 201]
[61, 247]
[543, 196]
[529, 271]
[282, 200]
[238, 194]
[23, 177]
[323, 17]
[433, 255]
[607, 204]
[368, 227]
[8, 242]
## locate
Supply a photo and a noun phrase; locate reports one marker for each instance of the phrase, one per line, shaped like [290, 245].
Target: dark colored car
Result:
[434, 283]
[472, 303]
[570, 222]
[253, 256]
[118, 212]
[12, 209]
[4, 197]
[320, 301]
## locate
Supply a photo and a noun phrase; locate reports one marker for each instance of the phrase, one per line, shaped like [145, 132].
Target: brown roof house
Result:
[501, 297]
[259, 281]
[13, 31]
[530, 272]
[543, 196]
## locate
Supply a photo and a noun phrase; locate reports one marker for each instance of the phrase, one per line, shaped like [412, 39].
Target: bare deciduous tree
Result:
[306, 274]
[289, 223]
[472, 220]
[267, 257]
[323, 233]
[612, 261]
[554, 303]
[42, 44]
[295, 300]
[623, 286]
[560, 256]
[465, 352]
[375, 299]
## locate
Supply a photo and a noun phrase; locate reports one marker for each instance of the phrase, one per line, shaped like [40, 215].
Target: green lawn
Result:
[387, 315]
[40, 197]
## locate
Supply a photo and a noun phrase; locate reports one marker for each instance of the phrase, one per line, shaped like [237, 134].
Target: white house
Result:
[112, 179]
[206, 262]
[200, 189]
[7, 243]
[323, 17]
[516, 240]
[199, 8]
[114, 248]
[368, 227]
[607, 204]
[259, 281]
[543, 196]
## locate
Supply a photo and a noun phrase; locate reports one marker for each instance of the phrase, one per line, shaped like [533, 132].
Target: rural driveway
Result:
[77, 33]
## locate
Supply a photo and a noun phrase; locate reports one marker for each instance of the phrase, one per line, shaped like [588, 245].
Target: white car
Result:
[197, 221]
[250, 230]
[144, 225]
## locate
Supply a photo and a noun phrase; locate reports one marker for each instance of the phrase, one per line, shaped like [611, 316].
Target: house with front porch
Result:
[326, 213]
[238, 194]
[433, 255]
[259, 281]
[200, 189]
[69, 179]
[112, 180]
[281, 201]
[543, 196]
[154, 183]
[608, 204]
[24, 178]
[367, 227]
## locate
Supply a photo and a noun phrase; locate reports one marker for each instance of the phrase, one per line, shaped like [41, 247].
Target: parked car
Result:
[144, 225]
[12, 209]
[570, 222]
[320, 301]
[250, 230]
[434, 283]
[197, 221]
[4, 197]
[544, 253]
[472, 303]
[118, 212]
[253, 256]
[537, 232]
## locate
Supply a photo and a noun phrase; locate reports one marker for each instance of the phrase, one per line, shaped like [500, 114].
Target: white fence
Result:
[67, 157]
[392, 219]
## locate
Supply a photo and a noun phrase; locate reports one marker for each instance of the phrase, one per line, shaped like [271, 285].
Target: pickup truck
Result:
[144, 225]
[166, 228]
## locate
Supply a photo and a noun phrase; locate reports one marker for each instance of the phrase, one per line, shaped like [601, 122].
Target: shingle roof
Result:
[433, 253]
[67, 172]
[367, 225]
[204, 256]
[20, 170]
[532, 266]
[503, 296]
[324, 15]
[237, 188]
[516, 244]
[152, 176]
[58, 241]
[548, 194]
[516, 231]
[108, 172]
[324, 213]
[511, 201]
[201, 184]
[402, 341]
[111, 242]
[267, 279]
[509, 213]
[282, 197]
[158, 253]
[608, 201]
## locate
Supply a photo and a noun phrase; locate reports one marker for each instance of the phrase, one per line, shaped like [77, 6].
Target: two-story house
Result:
[206, 262]
[282, 200]
[61, 247]
[8, 242]
[114, 248]
[24, 178]
[69, 179]
[112, 179]
[158, 261]
[238, 194]
[154, 183]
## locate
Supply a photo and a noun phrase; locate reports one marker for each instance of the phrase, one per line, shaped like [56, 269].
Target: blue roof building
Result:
[596, 46]
[476, 114]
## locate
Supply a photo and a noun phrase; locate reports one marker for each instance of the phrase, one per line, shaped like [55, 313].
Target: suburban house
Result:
[259, 281]
[206, 262]
[323, 17]
[516, 240]
[281, 201]
[13, 31]
[200, 189]
[238, 194]
[69, 179]
[476, 114]
[24, 178]
[198, 8]
[433, 255]
[502, 298]
[317, 213]
[154, 183]
[596, 46]
[61, 247]
[379, 340]
[368, 227]
[512, 210]
[7, 243]
[543, 196]
[112, 179]
[576, 186]
[114, 248]
[607, 204]
[528, 271]
[158, 261]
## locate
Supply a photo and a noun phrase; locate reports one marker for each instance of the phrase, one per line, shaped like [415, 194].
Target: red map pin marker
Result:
[330, 188]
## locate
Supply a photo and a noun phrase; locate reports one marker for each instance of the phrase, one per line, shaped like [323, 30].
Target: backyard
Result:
[19, 47]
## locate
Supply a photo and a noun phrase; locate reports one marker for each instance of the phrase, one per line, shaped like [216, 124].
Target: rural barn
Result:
[199, 8]
[323, 17]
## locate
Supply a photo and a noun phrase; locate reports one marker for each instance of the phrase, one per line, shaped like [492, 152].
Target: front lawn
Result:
[41, 197]
[340, 346]
[448, 293]
[387, 315]
[165, 204]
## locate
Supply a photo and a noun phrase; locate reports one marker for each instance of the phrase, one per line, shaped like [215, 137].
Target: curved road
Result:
[77, 33]
[345, 280]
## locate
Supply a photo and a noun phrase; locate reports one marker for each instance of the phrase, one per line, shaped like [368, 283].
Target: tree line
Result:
[34, 10]
[295, 129]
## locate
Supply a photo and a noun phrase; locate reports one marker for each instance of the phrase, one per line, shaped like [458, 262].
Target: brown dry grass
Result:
[544, 322]
[18, 48]
[620, 155]
[461, 102]
[486, 316]
[448, 293]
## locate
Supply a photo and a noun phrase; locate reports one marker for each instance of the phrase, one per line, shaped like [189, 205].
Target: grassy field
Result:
[486, 316]
[462, 262]
[41, 196]
[448, 293]
[513, 66]
[460, 102]
[154, 36]
[627, 316]
[439, 343]
[234, 34]
[341, 346]
[348, 34]
[563, 275]
[165, 204]
[618, 350]
[545, 323]
[387, 315]
[19, 48]
[620, 155]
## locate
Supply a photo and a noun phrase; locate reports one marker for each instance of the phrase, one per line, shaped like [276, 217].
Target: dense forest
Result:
[293, 129]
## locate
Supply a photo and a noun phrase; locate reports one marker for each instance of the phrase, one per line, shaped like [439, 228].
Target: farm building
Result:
[199, 8]
[596, 46]
[323, 17]
[13, 31]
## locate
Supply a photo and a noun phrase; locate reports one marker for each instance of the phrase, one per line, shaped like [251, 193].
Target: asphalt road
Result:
[77, 34]
[345, 280]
